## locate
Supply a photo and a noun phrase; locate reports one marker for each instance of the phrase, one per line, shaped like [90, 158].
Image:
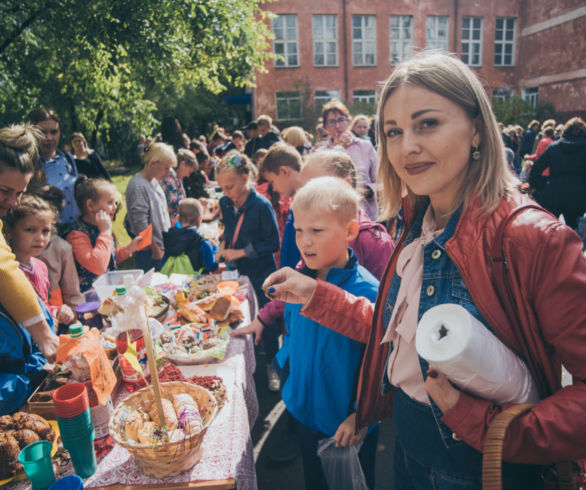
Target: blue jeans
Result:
[422, 461]
[144, 260]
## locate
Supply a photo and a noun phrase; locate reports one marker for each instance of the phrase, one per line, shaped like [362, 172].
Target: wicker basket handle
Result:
[493, 452]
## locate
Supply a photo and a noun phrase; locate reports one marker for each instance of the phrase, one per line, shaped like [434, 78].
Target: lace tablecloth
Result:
[227, 447]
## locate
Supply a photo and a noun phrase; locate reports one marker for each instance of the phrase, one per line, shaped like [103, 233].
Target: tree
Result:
[108, 63]
[513, 110]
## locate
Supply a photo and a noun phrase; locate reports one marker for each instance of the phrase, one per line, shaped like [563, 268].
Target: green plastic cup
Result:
[83, 455]
[36, 461]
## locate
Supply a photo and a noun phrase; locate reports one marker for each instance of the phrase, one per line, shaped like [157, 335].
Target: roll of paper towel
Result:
[458, 345]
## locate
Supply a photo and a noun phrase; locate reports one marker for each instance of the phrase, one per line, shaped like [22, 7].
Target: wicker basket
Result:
[165, 459]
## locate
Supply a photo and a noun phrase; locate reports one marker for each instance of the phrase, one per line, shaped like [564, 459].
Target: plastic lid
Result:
[120, 290]
[76, 330]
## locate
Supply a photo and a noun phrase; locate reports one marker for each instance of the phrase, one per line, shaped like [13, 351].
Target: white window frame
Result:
[289, 44]
[367, 38]
[432, 28]
[321, 36]
[322, 97]
[287, 97]
[364, 97]
[503, 42]
[401, 45]
[468, 42]
[531, 95]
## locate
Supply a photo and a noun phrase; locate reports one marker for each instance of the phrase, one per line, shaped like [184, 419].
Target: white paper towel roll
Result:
[458, 345]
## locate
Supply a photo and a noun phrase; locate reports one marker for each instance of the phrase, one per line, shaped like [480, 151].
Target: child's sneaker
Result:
[273, 382]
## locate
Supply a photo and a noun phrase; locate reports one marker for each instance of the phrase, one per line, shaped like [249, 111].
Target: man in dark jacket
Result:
[528, 139]
[564, 190]
[267, 137]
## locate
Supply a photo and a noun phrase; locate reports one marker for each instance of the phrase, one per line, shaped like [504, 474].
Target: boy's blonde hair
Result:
[328, 195]
[190, 211]
[159, 152]
[264, 120]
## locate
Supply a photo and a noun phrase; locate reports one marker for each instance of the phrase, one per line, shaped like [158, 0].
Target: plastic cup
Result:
[81, 421]
[70, 400]
[71, 482]
[36, 461]
[81, 450]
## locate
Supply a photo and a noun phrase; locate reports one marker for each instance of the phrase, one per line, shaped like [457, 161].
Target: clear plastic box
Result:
[106, 284]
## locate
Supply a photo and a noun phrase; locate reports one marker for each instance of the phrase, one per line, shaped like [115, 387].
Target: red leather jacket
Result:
[549, 283]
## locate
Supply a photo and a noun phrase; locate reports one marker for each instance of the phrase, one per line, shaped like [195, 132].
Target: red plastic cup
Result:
[71, 400]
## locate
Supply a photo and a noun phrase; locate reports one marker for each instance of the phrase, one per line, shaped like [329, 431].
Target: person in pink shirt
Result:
[28, 231]
[544, 142]
[91, 235]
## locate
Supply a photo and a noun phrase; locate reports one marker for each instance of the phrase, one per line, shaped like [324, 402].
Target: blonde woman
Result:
[295, 136]
[88, 162]
[147, 205]
[441, 158]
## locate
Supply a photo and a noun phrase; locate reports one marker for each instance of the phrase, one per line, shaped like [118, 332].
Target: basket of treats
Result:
[168, 445]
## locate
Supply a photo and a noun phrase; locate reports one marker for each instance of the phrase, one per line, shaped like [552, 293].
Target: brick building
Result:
[346, 49]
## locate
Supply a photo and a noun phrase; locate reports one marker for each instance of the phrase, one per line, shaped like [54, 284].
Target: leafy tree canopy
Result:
[104, 65]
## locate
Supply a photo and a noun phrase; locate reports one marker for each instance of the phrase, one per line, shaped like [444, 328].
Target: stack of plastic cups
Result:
[75, 424]
[36, 461]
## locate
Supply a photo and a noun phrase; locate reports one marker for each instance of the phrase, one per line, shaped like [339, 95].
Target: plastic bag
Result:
[178, 265]
[341, 465]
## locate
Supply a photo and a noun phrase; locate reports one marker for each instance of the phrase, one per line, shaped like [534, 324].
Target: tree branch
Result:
[16, 34]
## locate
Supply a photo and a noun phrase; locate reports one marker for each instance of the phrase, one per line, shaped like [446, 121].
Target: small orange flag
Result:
[147, 237]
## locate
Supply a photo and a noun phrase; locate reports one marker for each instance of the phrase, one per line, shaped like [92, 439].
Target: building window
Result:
[322, 97]
[437, 32]
[325, 40]
[364, 40]
[472, 41]
[504, 42]
[288, 106]
[364, 97]
[530, 95]
[285, 44]
[401, 38]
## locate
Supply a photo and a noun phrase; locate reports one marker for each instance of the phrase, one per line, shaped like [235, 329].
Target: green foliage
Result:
[106, 65]
[514, 110]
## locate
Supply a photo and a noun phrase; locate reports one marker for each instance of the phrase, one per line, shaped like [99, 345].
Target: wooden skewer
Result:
[152, 362]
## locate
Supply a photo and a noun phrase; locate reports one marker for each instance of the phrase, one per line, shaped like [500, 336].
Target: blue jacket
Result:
[259, 235]
[323, 364]
[290, 255]
[21, 362]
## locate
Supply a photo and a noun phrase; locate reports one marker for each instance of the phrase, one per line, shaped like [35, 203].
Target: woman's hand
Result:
[345, 139]
[45, 339]
[231, 254]
[345, 435]
[65, 315]
[441, 391]
[156, 251]
[103, 221]
[289, 285]
[255, 327]
[134, 244]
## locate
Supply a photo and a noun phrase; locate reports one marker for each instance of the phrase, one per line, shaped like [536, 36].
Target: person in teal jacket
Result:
[320, 366]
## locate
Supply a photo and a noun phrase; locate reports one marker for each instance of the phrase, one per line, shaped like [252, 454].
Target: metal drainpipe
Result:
[455, 45]
[345, 49]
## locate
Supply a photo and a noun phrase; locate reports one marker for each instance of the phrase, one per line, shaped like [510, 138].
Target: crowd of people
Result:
[340, 291]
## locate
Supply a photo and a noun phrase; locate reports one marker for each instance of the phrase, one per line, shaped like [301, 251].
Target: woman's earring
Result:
[475, 153]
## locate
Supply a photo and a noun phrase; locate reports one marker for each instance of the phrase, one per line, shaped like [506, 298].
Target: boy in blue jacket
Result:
[322, 364]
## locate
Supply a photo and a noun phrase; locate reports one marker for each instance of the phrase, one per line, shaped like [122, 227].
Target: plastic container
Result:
[228, 287]
[81, 421]
[36, 461]
[70, 400]
[81, 450]
[106, 284]
[71, 482]
[87, 313]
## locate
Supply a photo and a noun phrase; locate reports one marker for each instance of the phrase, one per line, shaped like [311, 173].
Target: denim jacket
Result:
[441, 283]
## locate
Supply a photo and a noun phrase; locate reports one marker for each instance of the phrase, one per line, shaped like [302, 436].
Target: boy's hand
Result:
[103, 222]
[255, 327]
[345, 435]
[134, 244]
[289, 285]
[65, 315]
